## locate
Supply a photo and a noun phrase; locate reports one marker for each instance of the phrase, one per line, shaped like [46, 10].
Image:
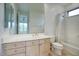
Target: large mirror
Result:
[29, 17]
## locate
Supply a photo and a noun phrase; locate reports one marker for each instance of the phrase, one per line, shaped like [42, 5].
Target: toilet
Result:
[57, 47]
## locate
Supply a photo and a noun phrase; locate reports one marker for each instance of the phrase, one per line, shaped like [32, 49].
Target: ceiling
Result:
[59, 4]
[37, 7]
[24, 7]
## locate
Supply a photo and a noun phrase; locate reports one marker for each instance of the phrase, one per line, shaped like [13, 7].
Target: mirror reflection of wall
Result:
[9, 20]
[36, 24]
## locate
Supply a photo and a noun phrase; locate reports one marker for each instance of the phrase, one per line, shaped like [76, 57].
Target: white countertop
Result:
[24, 37]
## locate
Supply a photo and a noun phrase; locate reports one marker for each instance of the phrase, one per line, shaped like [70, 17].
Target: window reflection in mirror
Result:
[23, 24]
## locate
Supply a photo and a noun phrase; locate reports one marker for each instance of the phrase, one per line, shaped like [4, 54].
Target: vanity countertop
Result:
[24, 37]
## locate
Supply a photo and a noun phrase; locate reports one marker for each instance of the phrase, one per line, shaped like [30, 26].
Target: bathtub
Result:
[70, 50]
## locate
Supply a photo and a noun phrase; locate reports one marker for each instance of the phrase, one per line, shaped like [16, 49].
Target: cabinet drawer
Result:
[19, 44]
[32, 43]
[44, 41]
[47, 40]
[36, 42]
[14, 51]
[9, 46]
[10, 52]
[41, 41]
[20, 50]
[28, 43]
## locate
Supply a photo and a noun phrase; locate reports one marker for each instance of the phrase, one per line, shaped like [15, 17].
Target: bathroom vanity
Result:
[36, 46]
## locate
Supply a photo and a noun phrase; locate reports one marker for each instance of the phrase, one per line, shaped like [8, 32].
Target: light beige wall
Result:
[36, 21]
[1, 24]
[51, 18]
[71, 6]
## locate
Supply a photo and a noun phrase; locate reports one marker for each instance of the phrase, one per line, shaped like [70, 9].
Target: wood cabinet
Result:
[28, 48]
[20, 44]
[14, 48]
[9, 52]
[32, 51]
[7, 46]
[44, 47]
[32, 48]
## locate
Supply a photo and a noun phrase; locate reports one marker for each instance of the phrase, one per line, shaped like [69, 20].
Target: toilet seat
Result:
[57, 45]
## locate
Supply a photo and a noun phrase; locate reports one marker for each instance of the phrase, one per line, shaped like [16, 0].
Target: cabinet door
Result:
[42, 50]
[35, 50]
[32, 50]
[28, 51]
[45, 49]
[47, 46]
